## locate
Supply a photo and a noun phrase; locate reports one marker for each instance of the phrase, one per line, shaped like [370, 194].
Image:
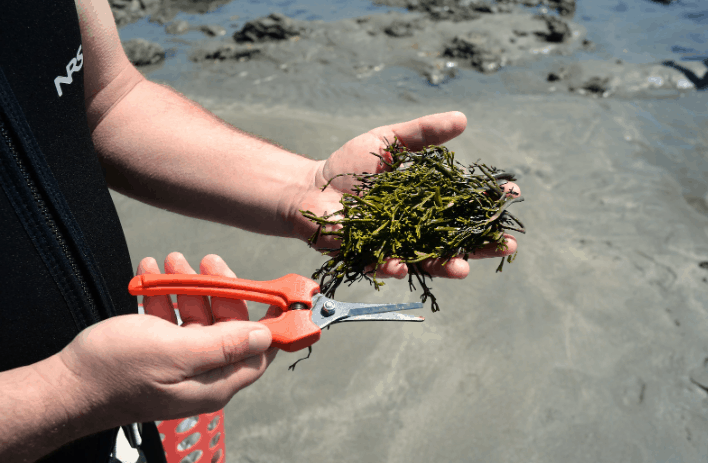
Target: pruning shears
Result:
[305, 310]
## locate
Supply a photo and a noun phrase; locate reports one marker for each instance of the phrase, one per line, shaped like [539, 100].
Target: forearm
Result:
[39, 411]
[165, 150]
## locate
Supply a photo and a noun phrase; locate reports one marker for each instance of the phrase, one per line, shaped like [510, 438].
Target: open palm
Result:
[355, 157]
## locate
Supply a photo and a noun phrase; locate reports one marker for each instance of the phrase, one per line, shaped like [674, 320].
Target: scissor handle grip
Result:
[282, 292]
[293, 330]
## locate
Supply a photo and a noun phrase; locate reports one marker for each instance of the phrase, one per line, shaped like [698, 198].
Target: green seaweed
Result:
[427, 206]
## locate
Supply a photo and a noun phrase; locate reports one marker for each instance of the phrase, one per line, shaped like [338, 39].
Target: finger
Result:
[490, 250]
[457, 268]
[391, 268]
[330, 241]
[270, 354]
[212, 390]
[511, 188]
[222, 308]
[235, 377]
[207, 348]
[434, 129]
[194, 310]
[160, 306]
[273, 312]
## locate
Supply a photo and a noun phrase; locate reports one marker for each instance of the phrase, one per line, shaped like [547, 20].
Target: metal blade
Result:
[326, 311]
[382, 308]
[384, 317]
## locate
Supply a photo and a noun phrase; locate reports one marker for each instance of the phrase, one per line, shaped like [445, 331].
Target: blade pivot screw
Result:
[328, 309]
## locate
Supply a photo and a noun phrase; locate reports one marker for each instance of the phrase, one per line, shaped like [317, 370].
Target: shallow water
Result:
[637, 31]
[640, 31]
[232, 17]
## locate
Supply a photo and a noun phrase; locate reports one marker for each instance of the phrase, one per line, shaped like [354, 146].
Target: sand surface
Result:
[590, 347]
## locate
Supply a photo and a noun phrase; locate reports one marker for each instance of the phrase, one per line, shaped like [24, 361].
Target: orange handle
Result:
[282, 292]
[293, 330]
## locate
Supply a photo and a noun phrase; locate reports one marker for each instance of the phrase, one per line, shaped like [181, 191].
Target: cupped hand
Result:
[139, 368]
[355, 157]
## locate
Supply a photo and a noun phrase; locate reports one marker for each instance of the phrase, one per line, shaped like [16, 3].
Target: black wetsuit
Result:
[75, 255]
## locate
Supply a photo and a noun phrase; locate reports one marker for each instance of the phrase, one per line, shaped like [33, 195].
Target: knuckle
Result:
[233, 347]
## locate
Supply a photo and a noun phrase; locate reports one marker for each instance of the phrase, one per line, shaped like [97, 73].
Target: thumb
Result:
[208, 347]
[434, 129]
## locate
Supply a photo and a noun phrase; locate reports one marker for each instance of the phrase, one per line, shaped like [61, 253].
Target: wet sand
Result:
[590, 347]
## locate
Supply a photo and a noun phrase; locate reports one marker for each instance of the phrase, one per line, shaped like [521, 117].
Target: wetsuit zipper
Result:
[42, 205]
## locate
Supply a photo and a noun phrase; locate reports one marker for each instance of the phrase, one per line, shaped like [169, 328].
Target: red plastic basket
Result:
[196, 439]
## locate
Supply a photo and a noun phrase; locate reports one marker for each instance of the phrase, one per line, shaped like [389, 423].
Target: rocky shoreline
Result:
[436, 39]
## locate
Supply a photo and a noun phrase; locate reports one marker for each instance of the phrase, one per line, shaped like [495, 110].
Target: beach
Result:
[589, 347]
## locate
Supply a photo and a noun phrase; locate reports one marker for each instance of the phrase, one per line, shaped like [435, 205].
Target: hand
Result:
[355, 157]
[138, 368]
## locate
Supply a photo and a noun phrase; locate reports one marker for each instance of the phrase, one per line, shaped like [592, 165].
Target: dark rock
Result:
[397, 3]
[450, 10]
[465, 46]
[563, 7]
[704, 265]
[488, 63]
[140, 52]
[588, 45]
[160, 11]
[664, 2]
[128, 11]
[212, 30]
[444, 10]
[177, 27]
[400, 29]
[476, 48]
[440, 73]
[595, 86]
[558, 30]
[271, 28]
[224, 52]
[556, 76]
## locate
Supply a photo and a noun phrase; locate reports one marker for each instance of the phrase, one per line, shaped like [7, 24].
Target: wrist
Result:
[72, 405]
[298, 226]
[42, 411]
[79, 408]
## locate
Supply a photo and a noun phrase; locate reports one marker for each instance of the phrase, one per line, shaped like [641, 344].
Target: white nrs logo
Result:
[72, 67]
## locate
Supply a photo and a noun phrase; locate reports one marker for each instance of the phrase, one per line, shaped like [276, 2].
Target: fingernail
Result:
[259, 340]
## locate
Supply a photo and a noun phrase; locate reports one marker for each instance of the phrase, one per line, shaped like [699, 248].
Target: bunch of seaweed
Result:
[426, 206]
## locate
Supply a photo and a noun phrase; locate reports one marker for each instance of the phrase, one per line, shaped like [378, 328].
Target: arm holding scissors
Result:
[136, 368]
